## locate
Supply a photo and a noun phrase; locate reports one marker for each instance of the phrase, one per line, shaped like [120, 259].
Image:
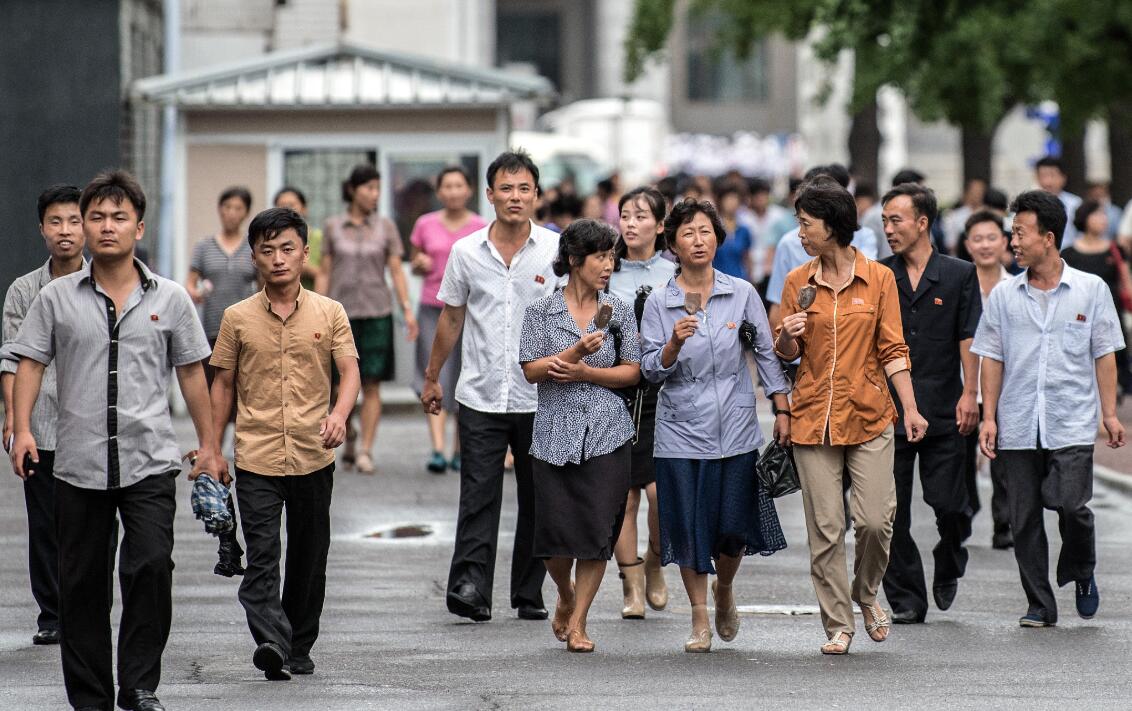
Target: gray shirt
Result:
[233, 276]
[20, 296]
[118, 429]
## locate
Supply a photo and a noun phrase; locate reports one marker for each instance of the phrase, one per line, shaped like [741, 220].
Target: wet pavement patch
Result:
[414, 530]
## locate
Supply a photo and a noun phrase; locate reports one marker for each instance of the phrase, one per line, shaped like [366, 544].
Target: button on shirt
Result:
[282, 379]
[496, 297]
[1049, 383]
[119, 430]
[943, 310]
[577, 421]
[706, 407]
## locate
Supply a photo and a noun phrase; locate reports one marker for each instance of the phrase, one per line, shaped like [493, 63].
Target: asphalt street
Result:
[387, 641]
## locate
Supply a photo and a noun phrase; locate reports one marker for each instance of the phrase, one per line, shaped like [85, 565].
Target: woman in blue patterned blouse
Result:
[582, 429]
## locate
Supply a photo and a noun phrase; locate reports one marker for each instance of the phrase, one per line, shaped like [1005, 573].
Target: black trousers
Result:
[86, 527]
[1060, 480]
[290, 620]
[999, 506]
[941, 478]
[484, 438]
[43, 550]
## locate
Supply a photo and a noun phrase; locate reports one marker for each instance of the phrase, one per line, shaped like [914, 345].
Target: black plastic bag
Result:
[777, 472]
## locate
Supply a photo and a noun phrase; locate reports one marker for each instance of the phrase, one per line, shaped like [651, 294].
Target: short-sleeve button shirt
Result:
[233, 276]
[360, 253]
[1049, 383]
[113, 373]
[941, 311]
[577, 421]
[282, 379]
[496, 297]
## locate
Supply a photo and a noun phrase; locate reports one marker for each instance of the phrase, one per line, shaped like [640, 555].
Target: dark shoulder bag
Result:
[775, 468]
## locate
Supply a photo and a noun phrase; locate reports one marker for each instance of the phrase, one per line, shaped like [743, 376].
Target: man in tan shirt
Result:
[273, 355]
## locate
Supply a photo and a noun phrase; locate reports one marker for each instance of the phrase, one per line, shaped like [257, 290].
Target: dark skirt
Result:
[373, 337]
[713, 507]
[579, 507]
[643, 472]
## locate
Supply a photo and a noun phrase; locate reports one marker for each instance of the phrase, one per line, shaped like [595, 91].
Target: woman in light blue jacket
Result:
[707, 431]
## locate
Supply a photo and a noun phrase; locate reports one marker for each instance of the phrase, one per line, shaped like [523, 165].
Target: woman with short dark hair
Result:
[712, 510]
[844, 323]
[582, 429]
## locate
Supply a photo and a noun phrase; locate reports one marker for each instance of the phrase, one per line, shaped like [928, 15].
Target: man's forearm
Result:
[1106, 384]
[990, 380]
[970, 364]
[349, 383]
[447, 331]
[222, 397]
[7, 381]
[194, 388]
[25, 390]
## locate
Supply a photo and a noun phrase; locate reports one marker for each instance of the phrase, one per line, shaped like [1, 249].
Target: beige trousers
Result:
[872, 503]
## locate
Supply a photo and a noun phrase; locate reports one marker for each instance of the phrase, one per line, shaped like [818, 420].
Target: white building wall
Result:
[451, 30]
[302, 22]
[612, 24]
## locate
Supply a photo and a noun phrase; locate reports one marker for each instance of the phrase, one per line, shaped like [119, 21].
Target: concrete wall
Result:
[460, 31]
[211, 168]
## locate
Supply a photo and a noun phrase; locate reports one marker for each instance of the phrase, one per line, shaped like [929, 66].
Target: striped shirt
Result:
[233, 276]
[20, 296]
[119, 430]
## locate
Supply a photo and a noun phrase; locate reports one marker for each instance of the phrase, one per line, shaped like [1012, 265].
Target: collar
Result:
[860, 262]
[485, 232]
[44, 272]
[266, 302]
[558, 301]
[642, 263]
[367, 221]
[148, 281]
[931, 269]
[1069, 277]
[722, 285]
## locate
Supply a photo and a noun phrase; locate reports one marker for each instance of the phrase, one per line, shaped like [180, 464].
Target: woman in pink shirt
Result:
[432, 240]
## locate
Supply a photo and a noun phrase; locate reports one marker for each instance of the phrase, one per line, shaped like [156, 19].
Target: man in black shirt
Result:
[940, 309]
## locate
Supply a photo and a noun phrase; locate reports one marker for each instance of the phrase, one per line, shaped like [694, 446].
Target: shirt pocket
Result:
[670, 410]
[1075, 337]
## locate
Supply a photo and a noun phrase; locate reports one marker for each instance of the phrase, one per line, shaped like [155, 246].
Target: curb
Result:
[1113, 479]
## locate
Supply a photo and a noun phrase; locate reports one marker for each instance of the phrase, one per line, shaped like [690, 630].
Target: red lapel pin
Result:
[154, 317]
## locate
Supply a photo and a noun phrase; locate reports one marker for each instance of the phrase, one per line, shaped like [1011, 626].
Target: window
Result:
[319, 174]
[531, 38]
[716, 73]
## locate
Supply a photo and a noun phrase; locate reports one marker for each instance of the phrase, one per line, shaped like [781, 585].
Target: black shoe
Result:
[269, 659]
[230, 554]
[1002, 541]
[532, 612]
[301, 665]
[907, 617]
[465, 601]
[139, 700]
[45, 637]
[944, 593]
[1088, 597]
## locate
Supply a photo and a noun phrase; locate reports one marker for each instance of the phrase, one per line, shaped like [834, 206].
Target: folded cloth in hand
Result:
[210, 504]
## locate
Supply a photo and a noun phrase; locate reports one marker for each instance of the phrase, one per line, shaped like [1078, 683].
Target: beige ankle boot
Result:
[633, 587]
[656, 590]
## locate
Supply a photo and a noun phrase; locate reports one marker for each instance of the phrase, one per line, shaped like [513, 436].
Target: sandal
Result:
[879, 622]
[838, 645]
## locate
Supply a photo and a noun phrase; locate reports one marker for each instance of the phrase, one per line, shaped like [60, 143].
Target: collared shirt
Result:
[943, 310]
[118, 428]
[1049, 382]
[790, 254]
[706, 407]
[853, 339]
[21, 294]
[496, 297]
[282, 379]
[633, 275]
[577, 421]
[233, 277]
[360, 253]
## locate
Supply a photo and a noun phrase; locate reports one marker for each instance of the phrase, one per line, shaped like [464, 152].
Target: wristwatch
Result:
[778, 411]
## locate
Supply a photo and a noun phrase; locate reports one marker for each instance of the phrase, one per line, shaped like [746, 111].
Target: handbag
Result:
[777, 472]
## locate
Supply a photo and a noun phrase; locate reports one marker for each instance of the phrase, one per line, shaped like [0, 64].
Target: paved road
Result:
[388, 643]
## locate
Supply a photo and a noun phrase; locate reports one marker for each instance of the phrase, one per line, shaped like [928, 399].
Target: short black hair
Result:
[512, 162]
[578, 241]
[116, 186]
[657, 207]
[793, 184]
[272, 222]
[980, 216]
[55, 195]
[360, 175]
[997, 199]
[666, 186]
[838, 172]
[908, 175]
[685, 211]
[237, 191]
[923, 200]
[864, 190]
[294, 191]
[567, 204]
[1047, 209]
[757, 185]
[1050, 162]
[453, 169]
[825, 198]
[1081, 216]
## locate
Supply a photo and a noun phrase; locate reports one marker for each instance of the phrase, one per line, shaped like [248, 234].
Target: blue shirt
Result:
[730, 255]
[577, 421]
[652, 273]
[1049, 383]
[706, 407]
[790, 255]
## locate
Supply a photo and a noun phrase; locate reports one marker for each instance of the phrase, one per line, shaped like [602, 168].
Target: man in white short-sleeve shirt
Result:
[491, 277]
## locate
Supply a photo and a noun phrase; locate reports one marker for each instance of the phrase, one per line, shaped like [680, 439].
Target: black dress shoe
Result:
[301, 665]
[1002, 541]
[45, 637]
[139, 700]
[269, 659]
[944, 593]
[465, 601]
[907, 617]
[532, 612]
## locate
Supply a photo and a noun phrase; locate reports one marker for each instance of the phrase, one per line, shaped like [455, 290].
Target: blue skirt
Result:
[713, 507]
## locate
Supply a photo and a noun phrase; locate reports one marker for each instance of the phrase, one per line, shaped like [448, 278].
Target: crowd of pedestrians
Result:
[612, 349]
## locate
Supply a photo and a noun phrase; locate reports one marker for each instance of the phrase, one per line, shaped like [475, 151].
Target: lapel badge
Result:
[1081, 318]
[938, 301]
[731, 324]
[539, 278]
[154, 317]
[317, 335]
[858, 302]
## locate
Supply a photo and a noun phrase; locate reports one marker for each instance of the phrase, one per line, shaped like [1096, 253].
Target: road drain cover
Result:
[407, 531]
